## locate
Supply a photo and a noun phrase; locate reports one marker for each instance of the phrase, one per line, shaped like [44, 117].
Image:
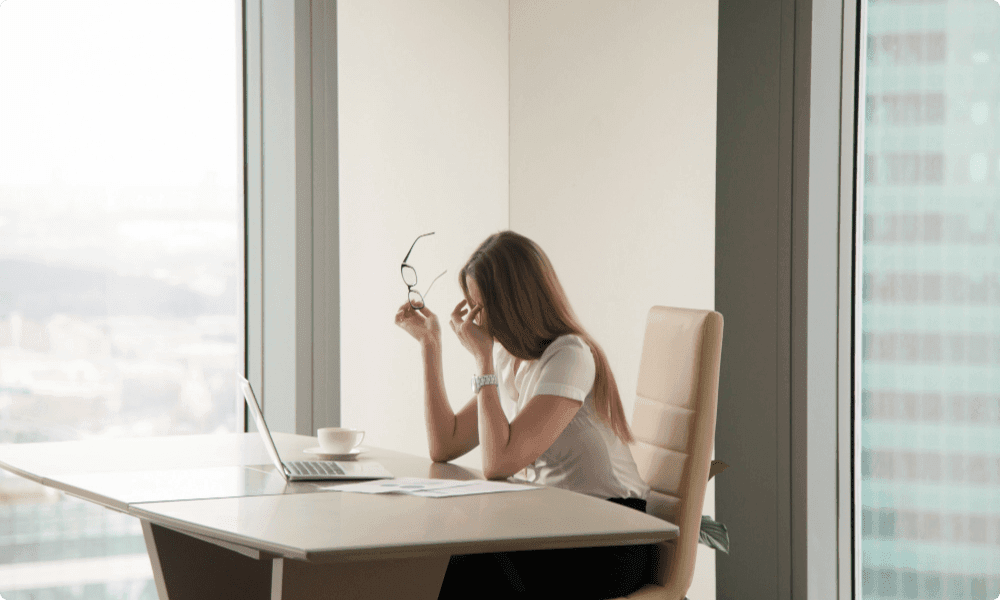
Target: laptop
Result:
[309, 470]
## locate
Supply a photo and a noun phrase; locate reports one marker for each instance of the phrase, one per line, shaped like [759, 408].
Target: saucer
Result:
[332, 456]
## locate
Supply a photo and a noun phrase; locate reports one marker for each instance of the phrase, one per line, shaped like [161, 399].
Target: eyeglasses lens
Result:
[416, 300]
[409, 275]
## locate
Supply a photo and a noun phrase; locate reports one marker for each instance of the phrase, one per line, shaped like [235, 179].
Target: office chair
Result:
[674, 426]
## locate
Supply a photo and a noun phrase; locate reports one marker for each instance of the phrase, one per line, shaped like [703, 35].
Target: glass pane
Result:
[120, 188]
[929, 488]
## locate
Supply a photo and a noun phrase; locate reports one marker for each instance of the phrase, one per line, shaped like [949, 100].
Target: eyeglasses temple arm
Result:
[407, 257]
[432, 283]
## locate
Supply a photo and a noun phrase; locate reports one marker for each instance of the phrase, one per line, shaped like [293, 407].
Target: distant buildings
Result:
[103, 369]
[930, 410]
[71, 377]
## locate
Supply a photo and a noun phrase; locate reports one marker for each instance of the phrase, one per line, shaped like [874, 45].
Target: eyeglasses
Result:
[410, 278]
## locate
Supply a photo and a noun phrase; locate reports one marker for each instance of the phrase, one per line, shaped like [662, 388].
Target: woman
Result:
[567, 426]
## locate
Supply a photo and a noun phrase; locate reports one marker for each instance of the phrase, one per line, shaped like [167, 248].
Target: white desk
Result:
[219, 522]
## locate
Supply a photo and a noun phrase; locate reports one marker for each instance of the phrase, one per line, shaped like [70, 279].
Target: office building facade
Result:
[930, 301]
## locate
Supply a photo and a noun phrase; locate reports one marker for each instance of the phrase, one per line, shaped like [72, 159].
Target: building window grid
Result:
[931, 301]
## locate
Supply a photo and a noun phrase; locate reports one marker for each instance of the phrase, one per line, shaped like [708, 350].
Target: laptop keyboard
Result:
[314, 467]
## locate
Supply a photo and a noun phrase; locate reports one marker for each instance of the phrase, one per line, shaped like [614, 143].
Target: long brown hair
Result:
[526, 309]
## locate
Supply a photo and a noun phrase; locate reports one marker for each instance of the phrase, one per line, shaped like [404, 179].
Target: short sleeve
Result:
[567, 369]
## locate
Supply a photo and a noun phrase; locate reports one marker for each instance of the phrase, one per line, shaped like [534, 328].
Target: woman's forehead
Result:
[473, 288]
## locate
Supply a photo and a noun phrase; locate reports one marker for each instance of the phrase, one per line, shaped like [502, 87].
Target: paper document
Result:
[430, 488]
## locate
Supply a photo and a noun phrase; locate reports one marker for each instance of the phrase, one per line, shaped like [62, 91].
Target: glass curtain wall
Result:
[120, 195]
[929, 481]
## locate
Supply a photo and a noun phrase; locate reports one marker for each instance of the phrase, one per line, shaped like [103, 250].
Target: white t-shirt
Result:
[587, 457]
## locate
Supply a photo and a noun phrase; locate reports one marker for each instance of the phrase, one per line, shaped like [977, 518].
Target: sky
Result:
[118, 92]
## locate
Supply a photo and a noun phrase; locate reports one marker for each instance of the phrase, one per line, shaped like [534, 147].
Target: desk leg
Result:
[186, 567]
[413, 578]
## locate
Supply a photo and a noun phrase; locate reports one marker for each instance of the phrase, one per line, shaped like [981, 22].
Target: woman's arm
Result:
[509, 447]
[448, 435]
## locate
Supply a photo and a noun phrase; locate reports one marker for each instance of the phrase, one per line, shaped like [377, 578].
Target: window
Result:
[120, 263]
[930, 301]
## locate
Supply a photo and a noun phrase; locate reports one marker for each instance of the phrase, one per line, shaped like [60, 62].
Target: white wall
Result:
[612, 170]
[423, 147]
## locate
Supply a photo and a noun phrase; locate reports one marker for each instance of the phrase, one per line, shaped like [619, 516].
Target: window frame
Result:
[786, 186]
[851, 240]
[291, 203]
[823, 309]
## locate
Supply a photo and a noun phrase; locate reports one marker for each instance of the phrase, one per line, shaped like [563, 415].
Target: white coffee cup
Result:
[339, 440]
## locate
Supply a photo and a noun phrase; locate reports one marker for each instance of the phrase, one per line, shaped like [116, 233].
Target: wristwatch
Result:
[479, 381]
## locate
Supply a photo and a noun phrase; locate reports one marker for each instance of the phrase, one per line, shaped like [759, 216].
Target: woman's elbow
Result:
[498, 471]
[442, 457]
[439, 454]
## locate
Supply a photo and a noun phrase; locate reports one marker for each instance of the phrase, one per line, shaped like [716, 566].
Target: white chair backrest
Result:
[674, 426]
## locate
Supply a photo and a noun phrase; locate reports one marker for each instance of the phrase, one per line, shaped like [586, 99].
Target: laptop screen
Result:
[258, 418]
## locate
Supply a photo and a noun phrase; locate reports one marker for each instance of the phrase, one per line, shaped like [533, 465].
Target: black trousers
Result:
[579, 573]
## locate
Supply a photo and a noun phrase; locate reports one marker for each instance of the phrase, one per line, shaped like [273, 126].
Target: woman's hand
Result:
[473, 337]
[422, 324]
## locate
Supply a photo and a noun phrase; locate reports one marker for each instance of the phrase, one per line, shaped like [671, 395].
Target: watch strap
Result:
[479, 381]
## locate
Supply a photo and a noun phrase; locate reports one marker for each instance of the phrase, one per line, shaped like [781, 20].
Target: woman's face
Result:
[475, 299]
